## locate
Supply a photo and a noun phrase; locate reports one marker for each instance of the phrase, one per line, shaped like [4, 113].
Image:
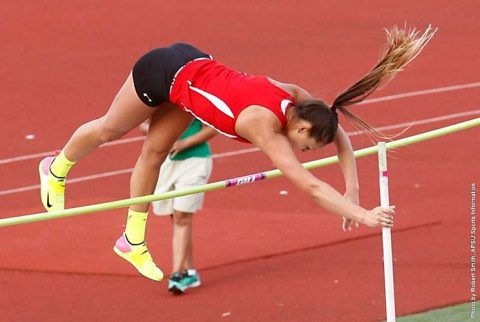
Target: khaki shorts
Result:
[176, 175]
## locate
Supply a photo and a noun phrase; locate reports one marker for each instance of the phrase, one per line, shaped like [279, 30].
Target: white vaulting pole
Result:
[386, 234]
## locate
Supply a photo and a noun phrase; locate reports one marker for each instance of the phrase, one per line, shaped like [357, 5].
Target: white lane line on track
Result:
[368, 101]
[249, 150]
[421, 92]
[44, 154]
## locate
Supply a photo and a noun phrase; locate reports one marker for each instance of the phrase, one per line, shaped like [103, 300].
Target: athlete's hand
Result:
[353, 197]
[379, 217]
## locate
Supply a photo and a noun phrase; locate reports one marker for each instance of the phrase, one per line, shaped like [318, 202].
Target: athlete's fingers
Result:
[389, 211]
[388, 225]
[347, 224]
[387, 219]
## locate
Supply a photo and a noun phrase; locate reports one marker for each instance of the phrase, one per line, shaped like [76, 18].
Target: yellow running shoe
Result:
[139, 257]
[52, 188]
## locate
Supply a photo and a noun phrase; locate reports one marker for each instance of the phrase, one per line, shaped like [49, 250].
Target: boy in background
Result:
[189, 164]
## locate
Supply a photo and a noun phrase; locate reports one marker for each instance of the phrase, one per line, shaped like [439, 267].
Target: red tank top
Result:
[216, 95]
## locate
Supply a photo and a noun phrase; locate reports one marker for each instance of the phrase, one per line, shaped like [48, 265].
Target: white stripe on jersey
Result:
[217, 102]
[208, 124]
[284, 104]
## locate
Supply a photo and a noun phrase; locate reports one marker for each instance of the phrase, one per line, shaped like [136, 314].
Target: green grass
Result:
[457, 313]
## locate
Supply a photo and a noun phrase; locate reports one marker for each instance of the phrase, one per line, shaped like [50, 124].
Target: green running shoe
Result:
[175, 284]
[191, 278]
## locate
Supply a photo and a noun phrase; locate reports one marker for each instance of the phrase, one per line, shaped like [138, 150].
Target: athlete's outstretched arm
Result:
[278, 148]
[349, 169]
[346, 159]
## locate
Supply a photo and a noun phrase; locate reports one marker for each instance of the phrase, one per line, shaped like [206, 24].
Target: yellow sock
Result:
[61, 165]
[135, 228]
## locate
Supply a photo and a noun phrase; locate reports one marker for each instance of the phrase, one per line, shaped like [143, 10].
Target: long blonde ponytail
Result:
[402, 47]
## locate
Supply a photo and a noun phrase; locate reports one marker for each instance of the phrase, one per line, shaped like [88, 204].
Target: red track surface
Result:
[262, 256]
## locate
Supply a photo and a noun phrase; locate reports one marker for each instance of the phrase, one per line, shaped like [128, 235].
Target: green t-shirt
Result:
[201, 150]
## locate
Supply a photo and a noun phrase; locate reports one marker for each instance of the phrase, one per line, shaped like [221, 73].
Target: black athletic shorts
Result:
[154, 72]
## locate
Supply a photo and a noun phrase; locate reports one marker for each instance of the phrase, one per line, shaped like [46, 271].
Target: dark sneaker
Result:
[175, 284]
[191, 278]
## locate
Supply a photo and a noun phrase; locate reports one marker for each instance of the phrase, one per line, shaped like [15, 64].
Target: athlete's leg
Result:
[166, 125]
[126, 112]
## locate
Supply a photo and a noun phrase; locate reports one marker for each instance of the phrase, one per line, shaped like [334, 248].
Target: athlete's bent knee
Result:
[153, 156]
[106, 133]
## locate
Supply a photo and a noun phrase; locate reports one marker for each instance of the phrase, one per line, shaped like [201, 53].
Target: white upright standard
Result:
[386, 234]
